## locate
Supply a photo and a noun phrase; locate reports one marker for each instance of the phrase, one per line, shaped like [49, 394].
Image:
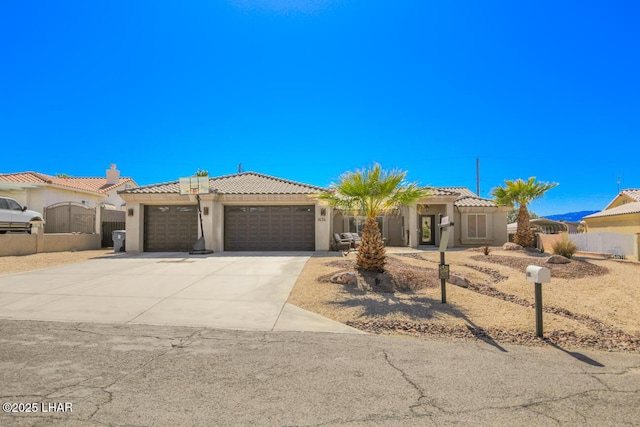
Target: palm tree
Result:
[521, 193]
[372, 192]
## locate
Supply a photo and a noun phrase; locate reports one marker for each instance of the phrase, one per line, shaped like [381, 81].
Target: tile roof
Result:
[627, 208]
[462, 191]
[256, 183]
[240, 183]
[475, 202]
[634, 193]
[466, 197]
[435, 191]
[96, 185]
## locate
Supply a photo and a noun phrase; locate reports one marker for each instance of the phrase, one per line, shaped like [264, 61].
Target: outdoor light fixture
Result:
[323, 211]
[130, 211]
[205, 210]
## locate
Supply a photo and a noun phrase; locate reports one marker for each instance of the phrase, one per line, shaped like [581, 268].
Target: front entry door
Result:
[427, 235]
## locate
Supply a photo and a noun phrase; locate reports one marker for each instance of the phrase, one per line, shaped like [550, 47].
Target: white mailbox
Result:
[538, 274]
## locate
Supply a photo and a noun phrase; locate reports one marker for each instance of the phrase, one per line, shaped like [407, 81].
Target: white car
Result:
[15, 217]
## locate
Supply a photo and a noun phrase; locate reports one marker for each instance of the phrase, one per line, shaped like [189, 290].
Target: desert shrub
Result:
[408, 280]
[564, 247]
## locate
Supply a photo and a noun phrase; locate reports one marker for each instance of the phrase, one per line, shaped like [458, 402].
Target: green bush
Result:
[564, 247]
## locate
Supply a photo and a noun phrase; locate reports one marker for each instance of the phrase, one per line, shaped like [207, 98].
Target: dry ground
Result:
[17, 264]
[589, 303]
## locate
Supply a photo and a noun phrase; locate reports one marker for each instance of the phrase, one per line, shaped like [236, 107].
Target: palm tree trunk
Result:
[524, 236]
[371, 252]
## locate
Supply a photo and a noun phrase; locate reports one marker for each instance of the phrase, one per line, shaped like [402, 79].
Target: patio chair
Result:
[340, 244]
[354, 239]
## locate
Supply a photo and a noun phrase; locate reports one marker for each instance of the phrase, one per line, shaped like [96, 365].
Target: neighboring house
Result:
[69, 204]
[542, 225]
[250, 211]
[616, 229]
[622, 215]
[38, 190]
[572, 226]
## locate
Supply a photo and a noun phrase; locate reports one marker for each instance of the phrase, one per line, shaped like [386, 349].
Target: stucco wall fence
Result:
[546, 241]
[27, 244]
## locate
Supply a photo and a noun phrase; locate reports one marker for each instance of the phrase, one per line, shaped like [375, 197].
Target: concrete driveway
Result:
[233, 291]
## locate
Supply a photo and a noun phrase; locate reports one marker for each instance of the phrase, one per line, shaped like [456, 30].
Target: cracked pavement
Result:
[140, 375]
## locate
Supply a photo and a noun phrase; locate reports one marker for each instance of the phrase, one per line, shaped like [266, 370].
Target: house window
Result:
[477, 226]
[356, 224]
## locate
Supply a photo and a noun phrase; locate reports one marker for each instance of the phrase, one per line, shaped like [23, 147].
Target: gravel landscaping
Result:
[17, 264]
[589, 304]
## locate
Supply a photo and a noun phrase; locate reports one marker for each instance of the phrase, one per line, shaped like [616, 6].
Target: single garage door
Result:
[269, 228]
[170, 228]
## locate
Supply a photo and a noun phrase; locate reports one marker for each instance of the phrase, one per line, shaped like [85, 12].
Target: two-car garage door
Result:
[269, 228]
[246, 228]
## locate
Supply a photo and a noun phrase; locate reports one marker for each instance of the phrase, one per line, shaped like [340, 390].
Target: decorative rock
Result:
[461, 281]
[509, 246]
[345, 278]
[557, 259]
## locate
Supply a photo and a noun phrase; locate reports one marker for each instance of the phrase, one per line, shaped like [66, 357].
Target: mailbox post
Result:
[538, 275]
[443, 271]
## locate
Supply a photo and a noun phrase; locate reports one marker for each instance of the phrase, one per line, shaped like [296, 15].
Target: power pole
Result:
[478, 176]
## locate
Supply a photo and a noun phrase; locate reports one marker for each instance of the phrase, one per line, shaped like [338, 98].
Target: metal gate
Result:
[69, 217]
[110, 220]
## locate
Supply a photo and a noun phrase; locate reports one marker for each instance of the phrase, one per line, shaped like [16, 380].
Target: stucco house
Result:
[38, 190]
[616, 229]
[622, 215]
[477, 221]
[72, 204]
[250, 211]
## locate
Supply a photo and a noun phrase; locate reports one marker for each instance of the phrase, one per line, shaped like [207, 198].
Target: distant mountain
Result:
[571, 216]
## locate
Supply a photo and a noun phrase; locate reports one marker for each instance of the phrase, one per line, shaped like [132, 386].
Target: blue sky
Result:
[306, 90]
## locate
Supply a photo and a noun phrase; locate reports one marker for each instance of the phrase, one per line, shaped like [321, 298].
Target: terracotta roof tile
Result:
[26, 177]
[96, 185]
[240, 183]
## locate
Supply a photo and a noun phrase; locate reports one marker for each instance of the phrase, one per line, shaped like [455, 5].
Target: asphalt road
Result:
[87, 374]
